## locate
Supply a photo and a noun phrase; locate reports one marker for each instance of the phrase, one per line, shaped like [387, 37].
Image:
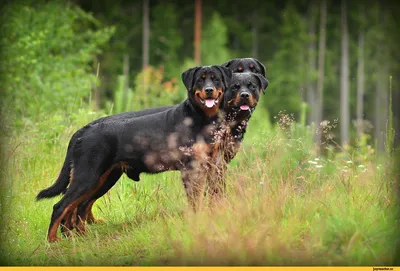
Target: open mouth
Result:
[244, 107]
[209, 102]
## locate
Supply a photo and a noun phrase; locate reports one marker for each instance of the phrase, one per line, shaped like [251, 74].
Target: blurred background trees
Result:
[327, 60]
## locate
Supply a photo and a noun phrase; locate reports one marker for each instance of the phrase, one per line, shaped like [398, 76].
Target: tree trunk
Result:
[381, 104]
[146, 33]
[321, 69]
[378, 111]
[312, 64]
[197, 32]
[254, 34]
[382, 87]
[385, 103]
[360, 82]
[344, 79]
[126, 81]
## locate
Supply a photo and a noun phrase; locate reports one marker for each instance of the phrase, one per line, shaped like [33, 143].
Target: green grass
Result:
[284, 206]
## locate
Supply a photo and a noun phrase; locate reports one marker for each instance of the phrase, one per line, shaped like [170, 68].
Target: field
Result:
[285, 205]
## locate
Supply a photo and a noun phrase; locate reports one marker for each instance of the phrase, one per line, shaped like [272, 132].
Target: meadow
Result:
[285, 205]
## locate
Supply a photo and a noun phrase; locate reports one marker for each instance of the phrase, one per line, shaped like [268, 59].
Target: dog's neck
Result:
[198, 115]
[237, 122]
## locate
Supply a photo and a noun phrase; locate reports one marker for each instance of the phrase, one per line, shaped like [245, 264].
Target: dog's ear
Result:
[188, 77]
[263, 81]
[226, 75]
[262, 67]
[229, 63]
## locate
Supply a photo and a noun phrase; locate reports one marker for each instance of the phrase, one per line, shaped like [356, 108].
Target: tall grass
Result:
[390, 133]
[284, 205]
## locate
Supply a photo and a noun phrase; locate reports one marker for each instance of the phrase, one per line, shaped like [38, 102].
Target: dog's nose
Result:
[209, 90]
[244, 95]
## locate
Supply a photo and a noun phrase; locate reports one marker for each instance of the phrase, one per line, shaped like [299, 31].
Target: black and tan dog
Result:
[168, 140]
[237, 114]
[240, 101]
[231, 145]
[239, 65]
[63, 180]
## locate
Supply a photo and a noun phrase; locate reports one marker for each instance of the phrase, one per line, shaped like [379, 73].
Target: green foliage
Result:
[390, 133]
[287, 70]
[47, 66]
[284, 204]
[122, 98]
[365, 152]
[151, 90]
[290, 208]
[165, 41]
[214, 42]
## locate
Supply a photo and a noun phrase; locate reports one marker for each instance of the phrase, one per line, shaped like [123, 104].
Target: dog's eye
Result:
[235, 87]
[251, 86]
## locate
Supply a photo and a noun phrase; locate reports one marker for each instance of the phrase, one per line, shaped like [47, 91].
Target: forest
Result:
[332, 60]
[322, 139]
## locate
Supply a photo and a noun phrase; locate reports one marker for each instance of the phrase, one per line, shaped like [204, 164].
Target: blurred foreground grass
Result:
[284, 206]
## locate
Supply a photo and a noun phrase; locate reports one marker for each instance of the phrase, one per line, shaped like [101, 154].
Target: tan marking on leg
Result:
[52, 235]
[71, 175]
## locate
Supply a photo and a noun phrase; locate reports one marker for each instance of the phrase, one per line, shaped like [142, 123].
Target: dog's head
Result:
[206, 86]
[245, 65]
[244, 92]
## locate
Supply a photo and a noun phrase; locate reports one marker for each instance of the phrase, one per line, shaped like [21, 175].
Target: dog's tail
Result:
[62, 181]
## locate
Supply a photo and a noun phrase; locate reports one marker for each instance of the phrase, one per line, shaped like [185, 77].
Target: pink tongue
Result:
[244, 107]
[209, 103]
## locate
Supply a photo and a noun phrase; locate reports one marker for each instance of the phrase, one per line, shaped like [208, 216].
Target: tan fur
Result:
[201, 94]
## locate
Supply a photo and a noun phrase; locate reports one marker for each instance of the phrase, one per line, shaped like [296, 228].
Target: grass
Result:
[284, 206]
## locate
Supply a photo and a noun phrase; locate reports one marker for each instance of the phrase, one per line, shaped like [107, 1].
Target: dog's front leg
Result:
[194, 182]
[216, 175]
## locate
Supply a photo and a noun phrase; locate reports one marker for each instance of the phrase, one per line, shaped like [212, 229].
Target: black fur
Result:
[240, 101]
[250, 85]
[239, 65]
[234, 117]
[62, 181]
[153, 143]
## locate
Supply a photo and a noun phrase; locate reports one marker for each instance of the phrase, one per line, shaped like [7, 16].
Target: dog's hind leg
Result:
[85, 185]
[67, 223]
[84, 210]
